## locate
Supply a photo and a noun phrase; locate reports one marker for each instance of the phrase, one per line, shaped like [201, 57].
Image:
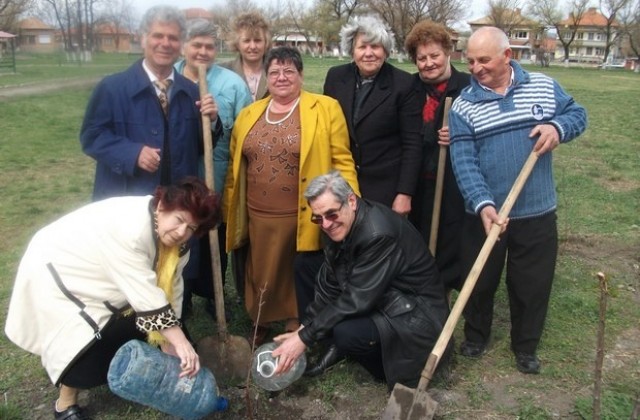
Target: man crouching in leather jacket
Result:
[378, 297]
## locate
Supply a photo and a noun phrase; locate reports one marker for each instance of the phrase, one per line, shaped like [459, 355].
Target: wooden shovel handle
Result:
[472, 278]
[216, 266]
[437, 201]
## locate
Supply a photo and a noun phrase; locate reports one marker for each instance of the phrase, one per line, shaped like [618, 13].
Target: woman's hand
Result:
[181, 348]
[208, 106]
[443, 136]
[402, 204]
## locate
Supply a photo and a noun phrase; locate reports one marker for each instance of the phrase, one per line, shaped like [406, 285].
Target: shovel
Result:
[228, 356]
[437, 201]
[413, 404]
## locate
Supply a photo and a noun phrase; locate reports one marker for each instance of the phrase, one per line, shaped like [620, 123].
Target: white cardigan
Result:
[104, 254]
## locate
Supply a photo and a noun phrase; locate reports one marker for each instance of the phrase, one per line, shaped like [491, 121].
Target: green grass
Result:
[44, 175]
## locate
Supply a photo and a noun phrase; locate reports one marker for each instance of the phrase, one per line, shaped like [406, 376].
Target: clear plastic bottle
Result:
[264, 366]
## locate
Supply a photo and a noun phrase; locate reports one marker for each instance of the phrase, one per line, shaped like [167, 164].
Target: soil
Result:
[308, 400]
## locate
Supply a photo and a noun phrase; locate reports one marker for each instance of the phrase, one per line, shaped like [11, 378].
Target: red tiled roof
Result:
[510, 15]
[197, 13]
[33, 23]
[592, 17]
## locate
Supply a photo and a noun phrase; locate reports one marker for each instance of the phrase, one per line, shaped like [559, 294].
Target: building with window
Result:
[525, 35]
[36, 36]
[590, 41]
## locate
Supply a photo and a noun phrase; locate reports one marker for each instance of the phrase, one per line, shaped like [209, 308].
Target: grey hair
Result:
[200, 27]
[163, 13]
[332, 182]
[373, 29]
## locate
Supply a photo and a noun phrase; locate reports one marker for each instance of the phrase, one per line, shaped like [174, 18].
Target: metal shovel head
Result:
[228, 359]
[409, 404]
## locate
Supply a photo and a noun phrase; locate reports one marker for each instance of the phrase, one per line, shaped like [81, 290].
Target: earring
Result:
[155, 221]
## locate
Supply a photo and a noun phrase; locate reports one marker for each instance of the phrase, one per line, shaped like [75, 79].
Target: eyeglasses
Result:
[288, 73]
[331, 216]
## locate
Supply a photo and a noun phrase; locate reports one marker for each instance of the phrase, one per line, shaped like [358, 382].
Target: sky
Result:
[478, 8]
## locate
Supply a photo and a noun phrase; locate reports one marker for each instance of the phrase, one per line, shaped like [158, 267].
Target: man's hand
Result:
[289, 350]
[208, 106]
[548, 138]
[402, 204]
[489, 216]
[149, 159]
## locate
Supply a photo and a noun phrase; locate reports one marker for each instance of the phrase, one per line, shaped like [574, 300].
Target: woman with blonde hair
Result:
[251, 38]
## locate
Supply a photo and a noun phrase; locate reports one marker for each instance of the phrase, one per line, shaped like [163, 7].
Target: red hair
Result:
[192, 195]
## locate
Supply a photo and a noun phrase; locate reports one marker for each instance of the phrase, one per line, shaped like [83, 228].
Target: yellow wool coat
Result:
[324, 146]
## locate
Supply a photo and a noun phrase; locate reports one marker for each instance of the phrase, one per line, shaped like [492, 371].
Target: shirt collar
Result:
[152, 76]
[511, 79]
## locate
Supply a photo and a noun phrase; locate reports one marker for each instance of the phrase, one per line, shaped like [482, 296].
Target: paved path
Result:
[46, 87]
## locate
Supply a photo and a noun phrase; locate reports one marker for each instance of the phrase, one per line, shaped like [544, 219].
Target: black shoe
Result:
[74, 412]
[527, 363]
[471, 349]
[329, 359]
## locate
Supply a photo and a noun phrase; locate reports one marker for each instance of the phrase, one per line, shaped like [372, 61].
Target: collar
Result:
[511, 79]
[153, 77]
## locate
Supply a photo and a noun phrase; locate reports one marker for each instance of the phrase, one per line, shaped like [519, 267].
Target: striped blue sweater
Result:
[490, 141]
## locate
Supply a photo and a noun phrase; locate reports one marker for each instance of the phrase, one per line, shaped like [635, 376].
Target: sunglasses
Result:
[331, 216]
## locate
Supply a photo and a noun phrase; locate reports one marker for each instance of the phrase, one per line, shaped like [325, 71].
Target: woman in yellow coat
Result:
[278, 145]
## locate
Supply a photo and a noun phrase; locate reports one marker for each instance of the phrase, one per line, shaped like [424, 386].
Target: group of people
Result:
[323, 201]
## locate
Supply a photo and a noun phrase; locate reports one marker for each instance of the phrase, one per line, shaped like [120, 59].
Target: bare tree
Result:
[303, 22]
[505, 14]
[550, 14]
[331, 15]
[447, 11]
[117, 17]
[610, 10]
[9, 12]
[630, 21]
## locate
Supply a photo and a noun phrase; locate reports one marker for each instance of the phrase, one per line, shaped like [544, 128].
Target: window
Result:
[44, 39]
[580, 35]
[599, 37]
[521, 35]
[30, 39]
[591, 36]
[589, 51]
[599, 51]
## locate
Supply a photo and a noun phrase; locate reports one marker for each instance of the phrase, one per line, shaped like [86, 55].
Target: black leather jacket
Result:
[382, 269]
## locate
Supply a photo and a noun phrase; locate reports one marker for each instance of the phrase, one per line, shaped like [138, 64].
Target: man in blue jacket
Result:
[496, 122]
[137, 143]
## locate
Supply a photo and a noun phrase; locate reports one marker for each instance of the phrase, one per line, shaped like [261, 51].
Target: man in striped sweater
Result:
[494, 125]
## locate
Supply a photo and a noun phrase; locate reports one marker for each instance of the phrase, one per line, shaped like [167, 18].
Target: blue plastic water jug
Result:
[145, 375]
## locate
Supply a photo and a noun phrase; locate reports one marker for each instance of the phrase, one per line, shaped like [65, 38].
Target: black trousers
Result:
[306, 266]
[529, 249]
[202, 285]
[357, 338]
[90, 369]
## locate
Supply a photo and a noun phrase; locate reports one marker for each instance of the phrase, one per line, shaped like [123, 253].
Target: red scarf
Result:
[434, 95]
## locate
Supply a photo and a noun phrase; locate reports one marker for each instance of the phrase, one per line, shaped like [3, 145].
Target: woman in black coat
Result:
[429, 46]
[382, 112]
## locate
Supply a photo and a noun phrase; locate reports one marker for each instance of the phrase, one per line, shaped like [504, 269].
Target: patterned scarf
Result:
[434, 95]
